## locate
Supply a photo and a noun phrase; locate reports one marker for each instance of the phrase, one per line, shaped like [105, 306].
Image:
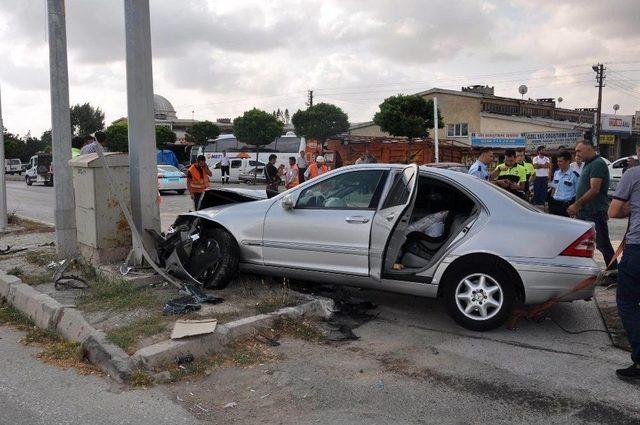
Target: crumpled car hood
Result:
[224, 196]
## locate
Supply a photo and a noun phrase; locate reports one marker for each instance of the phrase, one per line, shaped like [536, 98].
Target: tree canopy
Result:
[24, 148]
[257, 128]
[85, 119]
[164, 135]
[406, 116]
[202, 132]
[320, 121]
[118, 137]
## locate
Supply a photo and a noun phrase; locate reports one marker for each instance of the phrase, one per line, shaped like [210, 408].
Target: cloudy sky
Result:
[218, 58]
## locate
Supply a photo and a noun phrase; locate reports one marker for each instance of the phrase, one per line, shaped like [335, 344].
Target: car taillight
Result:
[583, 246]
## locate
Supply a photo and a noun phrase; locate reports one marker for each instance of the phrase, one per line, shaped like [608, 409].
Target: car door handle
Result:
[357, 219]
[390, 217]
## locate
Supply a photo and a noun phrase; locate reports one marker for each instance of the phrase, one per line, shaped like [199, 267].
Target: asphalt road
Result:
[38, 202]
[32, 392]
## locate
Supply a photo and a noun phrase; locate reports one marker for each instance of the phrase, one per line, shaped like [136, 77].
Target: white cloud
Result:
[220, 58]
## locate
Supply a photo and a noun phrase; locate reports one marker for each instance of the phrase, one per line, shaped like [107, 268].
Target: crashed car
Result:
[420, 231]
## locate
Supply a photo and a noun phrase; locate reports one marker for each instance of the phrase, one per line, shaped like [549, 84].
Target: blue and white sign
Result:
[553, 139]
[497, 140]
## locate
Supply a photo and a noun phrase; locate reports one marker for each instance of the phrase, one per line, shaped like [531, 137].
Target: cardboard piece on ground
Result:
[184, 328]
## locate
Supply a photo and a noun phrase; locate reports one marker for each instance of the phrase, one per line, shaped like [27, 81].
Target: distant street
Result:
[38, 202]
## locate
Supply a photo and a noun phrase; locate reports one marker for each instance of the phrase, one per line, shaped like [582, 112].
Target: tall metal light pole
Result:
[142, 143]
[436, 143]
[3, 183]
[64, 212]
[599, 70]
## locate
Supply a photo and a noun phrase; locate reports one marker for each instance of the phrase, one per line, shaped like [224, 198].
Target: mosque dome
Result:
[162, 108]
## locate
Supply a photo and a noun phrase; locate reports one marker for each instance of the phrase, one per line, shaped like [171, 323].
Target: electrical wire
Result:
[574, 332]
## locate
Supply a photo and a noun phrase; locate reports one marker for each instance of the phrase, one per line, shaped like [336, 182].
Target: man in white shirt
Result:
[577, 165]
[224, 168]
[541, 164]
[302, 166]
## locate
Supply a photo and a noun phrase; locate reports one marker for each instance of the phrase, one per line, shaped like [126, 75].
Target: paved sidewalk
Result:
[32, 392]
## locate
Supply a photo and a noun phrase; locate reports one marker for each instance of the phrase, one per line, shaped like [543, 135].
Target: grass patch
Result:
[126, 336]
[15, 271]
[299, 329]
[11, 316]
[275, 299]
[37, 278]
[40, 258]
[110, 293]
[141, 379]
[27, 226]
[242, 353]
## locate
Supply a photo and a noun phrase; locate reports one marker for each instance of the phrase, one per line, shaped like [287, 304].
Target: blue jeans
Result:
[603, 243]
[628, 297]
[540, 186]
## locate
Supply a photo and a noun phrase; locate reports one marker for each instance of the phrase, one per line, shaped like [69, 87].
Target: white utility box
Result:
[104, 235]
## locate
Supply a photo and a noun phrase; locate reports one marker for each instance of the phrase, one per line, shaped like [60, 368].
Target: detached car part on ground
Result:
[358, 226]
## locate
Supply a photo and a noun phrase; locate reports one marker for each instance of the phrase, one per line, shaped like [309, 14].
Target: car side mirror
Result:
[287, 202]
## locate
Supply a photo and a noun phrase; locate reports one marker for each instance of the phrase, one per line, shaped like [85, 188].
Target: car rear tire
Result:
[28, 181]
[479, 296]
[220, 274]
[181, 191]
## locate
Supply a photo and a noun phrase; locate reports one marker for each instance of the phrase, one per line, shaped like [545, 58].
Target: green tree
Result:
[257, 128]
[320, 121]
[406, 116]
[202, 132]
[85, 119]
[18, 147]
[118, 137]
[164, 136]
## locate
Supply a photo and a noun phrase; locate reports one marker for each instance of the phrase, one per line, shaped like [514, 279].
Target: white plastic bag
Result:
[432, 225]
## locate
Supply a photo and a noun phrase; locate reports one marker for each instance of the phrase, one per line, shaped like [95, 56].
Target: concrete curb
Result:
[35, 220]
[164, 352]
[49, 314]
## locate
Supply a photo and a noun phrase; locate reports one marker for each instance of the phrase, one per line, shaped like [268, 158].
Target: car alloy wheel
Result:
[479, 296]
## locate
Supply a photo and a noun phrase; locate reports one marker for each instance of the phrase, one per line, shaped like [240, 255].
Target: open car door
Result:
[391, 219]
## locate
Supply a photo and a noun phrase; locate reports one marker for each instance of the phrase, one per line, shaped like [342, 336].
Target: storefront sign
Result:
[497, 140]
[619, 124]
[553, 139]
[607, 139]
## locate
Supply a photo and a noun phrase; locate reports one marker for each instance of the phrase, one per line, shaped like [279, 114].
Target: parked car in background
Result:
[617, 166]
[39, 170]
[170, 178]
[421, 231]
[237, 167]
[13, 166]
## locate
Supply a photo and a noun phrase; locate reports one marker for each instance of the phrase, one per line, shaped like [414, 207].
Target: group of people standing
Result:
[579, 189]
[297, 172]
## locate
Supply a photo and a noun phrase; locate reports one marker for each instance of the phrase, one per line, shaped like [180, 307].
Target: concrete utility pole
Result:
[64, 212]
[599, 69]
[435, 129]
[3, 183]
[142, 139]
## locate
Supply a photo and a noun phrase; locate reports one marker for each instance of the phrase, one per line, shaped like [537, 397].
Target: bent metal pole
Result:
[64, 212]
[3, 183]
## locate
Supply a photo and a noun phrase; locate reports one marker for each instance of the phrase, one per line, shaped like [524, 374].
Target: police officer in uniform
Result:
[565, 182]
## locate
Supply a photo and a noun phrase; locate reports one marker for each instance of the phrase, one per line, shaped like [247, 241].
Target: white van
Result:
[13, 166]
[237, 167]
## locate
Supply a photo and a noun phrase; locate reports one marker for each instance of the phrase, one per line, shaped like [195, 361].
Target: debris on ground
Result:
[185, 328]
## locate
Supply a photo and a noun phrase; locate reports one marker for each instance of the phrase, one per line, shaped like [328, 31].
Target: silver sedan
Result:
[421, 231]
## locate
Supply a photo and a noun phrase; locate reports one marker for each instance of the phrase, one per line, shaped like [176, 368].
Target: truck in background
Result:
[39, 170]
[12, 166]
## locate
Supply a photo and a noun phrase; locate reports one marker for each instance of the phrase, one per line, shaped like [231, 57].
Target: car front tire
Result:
[28, 181]
[220, 274]
[479, 296]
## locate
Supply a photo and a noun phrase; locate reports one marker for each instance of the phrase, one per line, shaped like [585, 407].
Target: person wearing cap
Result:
[565, 183]
[316, 169]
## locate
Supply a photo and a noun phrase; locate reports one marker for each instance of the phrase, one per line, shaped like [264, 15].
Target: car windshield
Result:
[168, 169]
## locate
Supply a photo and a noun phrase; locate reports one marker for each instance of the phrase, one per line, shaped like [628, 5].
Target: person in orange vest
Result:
[198, 179]
[292, 176]
[316, 169]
